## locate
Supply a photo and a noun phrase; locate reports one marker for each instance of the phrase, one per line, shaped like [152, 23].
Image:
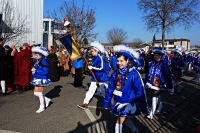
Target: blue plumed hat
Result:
[40, 50]
[126, 50]
[177, 51]
[139, 51]
[158, 50]
[98, 46]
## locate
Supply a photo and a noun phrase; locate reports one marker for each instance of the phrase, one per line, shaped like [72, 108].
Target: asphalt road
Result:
[17, 111]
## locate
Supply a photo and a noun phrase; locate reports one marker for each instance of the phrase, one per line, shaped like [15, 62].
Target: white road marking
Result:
[93, 120]
[95, 107]
[5, 131]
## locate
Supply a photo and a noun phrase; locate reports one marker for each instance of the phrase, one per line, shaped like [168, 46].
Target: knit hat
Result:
[126, 50]
[40, 50]
[97, 46]
[158, 50]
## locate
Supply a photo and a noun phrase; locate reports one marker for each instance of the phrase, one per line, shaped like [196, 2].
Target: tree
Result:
[154, 39]
[116, 36]
[82, 19]
[137, 41]
[85, 41]
[164, 15]
[13, 25]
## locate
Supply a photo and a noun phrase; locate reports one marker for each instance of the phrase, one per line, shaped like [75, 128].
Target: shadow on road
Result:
[55, 92]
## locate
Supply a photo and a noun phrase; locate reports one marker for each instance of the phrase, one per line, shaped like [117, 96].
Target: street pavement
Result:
[181, 112]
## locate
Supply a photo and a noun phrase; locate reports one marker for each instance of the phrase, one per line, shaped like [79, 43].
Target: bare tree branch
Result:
[82, 19]
[116, 36]
[164, 15]
[13, 25]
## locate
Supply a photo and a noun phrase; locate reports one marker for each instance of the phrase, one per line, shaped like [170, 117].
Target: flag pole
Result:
[78, 45]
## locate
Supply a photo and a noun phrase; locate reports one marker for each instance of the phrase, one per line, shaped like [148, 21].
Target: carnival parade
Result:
[58, 76]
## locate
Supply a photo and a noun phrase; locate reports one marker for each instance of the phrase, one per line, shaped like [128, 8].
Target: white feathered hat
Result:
[127, 51]
[98, 46]
[178, 52]
[40, 50]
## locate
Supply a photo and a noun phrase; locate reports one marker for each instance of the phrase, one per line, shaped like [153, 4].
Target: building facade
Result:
[51, 29]
[171, 44]
[32, 10]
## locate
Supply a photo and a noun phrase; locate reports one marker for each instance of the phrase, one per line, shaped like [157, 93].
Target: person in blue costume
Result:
[197, 68]
[126, 86]
[189, 61]
[184, 58]
[157, 78]
[98, 69]
[177, 69]
[40, 79]
[139, 64]
[106, 63]
[165, 58]
[113, 62]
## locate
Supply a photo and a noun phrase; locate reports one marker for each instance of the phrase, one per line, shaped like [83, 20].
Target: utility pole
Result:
[0, 24]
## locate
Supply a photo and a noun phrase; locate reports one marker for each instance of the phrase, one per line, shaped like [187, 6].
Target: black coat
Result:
[3, 65]
[53, 68]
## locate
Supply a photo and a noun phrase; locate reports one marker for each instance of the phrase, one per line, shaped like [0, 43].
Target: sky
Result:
[125, 15]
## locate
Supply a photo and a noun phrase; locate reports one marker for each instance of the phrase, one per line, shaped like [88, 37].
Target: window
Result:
[171, 43]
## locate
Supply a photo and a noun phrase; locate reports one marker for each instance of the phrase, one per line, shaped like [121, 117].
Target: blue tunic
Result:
[98, 69]
[40, 77]
[158, 76]
[177, 67]
[129, 93]
[113, 62]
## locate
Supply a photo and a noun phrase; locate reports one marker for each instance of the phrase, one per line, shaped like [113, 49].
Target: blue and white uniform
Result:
[125, 97]
[98, 69]
[40, 77]
[177, 67]
[127, 88]
[113, 62]
[159, 76]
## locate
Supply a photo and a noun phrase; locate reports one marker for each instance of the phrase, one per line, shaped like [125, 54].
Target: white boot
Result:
[47, 101]
[153, 107]
[118, 128]
[160, 106]
[41, 98]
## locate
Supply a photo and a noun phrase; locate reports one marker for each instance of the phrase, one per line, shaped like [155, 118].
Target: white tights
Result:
[3, 86]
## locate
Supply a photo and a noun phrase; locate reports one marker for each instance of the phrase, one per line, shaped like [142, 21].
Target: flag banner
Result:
[70, 44]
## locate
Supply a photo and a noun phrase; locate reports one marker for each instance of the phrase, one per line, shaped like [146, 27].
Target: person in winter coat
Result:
[40, 79]
[53, 68]
[126, 86]
[3, 68]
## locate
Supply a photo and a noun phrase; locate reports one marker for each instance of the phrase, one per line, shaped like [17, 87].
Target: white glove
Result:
[89, 67]
[33, 70]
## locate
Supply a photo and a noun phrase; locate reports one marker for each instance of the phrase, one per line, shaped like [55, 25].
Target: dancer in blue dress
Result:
[158, 78]
[126, 86]
[40, 79]
[197, 68]
[177, 69]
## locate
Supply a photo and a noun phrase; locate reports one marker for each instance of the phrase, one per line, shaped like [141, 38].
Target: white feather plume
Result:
[98, 45]
[118, 48]
[39, 50]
